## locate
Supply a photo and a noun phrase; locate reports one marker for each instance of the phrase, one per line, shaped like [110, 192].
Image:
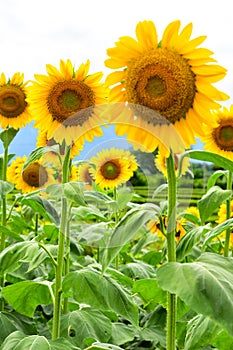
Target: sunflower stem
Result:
[61, 250]
[171, 249]
[228, 215]
[67, 257]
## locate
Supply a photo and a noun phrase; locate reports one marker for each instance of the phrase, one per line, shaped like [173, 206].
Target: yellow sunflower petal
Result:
[146, 34]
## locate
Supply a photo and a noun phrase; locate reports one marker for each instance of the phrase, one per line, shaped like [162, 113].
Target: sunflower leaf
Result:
[39, 152]
[7, 136]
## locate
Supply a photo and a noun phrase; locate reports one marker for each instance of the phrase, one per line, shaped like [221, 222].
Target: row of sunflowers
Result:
[82, 265]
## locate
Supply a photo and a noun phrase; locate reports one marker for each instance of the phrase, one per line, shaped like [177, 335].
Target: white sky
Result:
[34, 33]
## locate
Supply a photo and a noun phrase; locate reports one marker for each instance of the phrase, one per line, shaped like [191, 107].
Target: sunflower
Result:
[219, 137]
[42, 140]
[167, 84]
[222, 216]
[36, 176]
[154, 227]
[160, 163]
[84, 175]
[113, 167]
[64, 102]
[14, 109]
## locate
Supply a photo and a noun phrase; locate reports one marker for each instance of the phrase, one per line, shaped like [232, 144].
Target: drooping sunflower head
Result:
[84, 175]
[160, 163]
[173, 77]
[218, 138]
[14, 109]
[65, 102]
[36, 176]
[113, 167]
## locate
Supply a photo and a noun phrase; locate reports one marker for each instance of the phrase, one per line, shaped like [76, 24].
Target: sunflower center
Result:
[110, 170]
[223, 136]
[71, 102]
[35, 175]
[163, 81]
[12, 101]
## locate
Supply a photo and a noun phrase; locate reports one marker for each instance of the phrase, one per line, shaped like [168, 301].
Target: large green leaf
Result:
[211, 201]
[7, 326]
[101, 291]
[151, 294]
[25, 296]
[8, 135]
[20, 341]
[86, 323]
[122, 333]
[14, 255]
[209, 157]
[74, 192]
[39, 152]
[43, 207]
[103, 346]
[128, 226]
[200, 331]
[5, 187]
[206, 285]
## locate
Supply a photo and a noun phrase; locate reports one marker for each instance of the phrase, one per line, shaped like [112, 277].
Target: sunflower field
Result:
[87, 261]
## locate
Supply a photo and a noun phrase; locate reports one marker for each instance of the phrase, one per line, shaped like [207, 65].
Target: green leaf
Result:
[39, 152]
[138, 270]
[89, 212]
[128, 226]
[7, 136]
[212, 179]
[210, 157]
[102, 346]
[5, 187]
[121, 334]
[188, 241]
[206, 285]
[43, 207]
[200, 331]
[74, 192]
[217, 230]
[12, 257]
[55, 190]
[86, 323]
[20, 341]
[222, 340]
[211, 201]
[25, 296]
[7, 326]
[101, 291]
[149, 291]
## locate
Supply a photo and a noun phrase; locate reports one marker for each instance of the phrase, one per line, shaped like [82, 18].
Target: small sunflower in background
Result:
[160, 163]
[113, 167]
[64, 102]
[172, 77]
[222, 216]
[84, 175]
[158, 227]
[218, 138]
[14, 109]
[36, 176]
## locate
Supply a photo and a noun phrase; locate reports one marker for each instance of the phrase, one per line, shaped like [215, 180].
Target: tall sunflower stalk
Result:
[171, 248]
[228, 215]
[62, 241]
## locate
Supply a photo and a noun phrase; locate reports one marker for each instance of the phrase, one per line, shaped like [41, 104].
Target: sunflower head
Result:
[14, 108]
[171, 76]
[160, 163]
[36, 176]
[218, 138]
[113, 167]
[68, 109]
[84, 175]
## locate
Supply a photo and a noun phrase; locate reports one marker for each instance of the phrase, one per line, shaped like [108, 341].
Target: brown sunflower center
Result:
[35, 175]
[70, 102]
[110, 170]
[163, 81]
[223, 135]
[12, 101]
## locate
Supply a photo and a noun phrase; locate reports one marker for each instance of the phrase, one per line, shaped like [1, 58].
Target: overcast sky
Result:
[34, 33]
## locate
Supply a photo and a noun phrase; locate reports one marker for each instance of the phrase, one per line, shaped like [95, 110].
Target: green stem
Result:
[67, 258]
[4, 219]
[61, 250]
[171, 249]
[228, 215]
